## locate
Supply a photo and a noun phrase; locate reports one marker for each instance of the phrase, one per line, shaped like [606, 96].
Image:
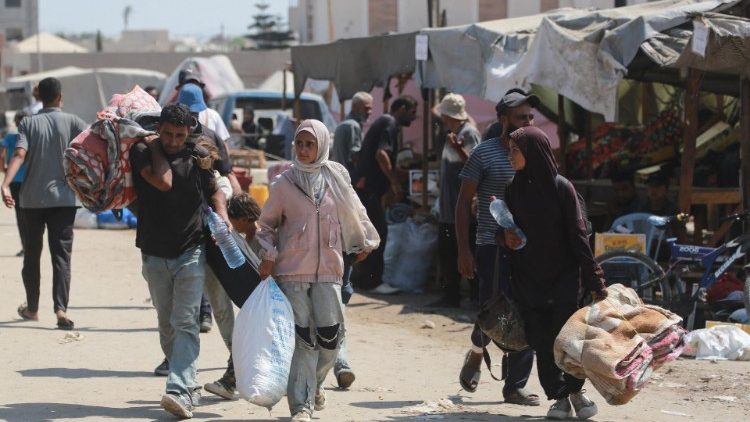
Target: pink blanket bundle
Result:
[617, 343]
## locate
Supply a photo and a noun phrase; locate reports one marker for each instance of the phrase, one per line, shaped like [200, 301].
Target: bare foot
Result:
[23, 312]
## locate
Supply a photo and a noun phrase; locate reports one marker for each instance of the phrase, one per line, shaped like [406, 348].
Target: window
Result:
[12, 3]
[13, 34]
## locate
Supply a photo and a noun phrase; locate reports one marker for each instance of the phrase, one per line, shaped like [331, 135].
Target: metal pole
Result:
[745, 144]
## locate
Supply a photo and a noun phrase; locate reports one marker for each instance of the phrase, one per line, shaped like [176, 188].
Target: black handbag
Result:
[500, 320]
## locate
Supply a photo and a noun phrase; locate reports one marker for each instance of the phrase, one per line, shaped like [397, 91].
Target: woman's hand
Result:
[360, 257]
[512, 240]
[265, 269]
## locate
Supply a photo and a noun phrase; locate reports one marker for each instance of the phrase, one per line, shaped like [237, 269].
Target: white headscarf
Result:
[313, 177]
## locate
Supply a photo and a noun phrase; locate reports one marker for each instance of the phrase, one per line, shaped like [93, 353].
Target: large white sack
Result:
[263, 345]
[718, 342]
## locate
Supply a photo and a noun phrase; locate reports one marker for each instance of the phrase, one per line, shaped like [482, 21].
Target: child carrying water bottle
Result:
[311, 217]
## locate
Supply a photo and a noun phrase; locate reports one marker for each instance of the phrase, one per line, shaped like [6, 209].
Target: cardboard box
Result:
[605, 242]
[743, 327]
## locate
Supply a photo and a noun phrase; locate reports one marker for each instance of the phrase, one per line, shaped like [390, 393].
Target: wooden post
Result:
[426, 129]
[562, 133]
[690, 133]
[297, 110]
[745, 144]
[647, 94]
[283, 88]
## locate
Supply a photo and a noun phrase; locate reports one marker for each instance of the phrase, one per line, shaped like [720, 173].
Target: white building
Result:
[360, 18]
[19, 19]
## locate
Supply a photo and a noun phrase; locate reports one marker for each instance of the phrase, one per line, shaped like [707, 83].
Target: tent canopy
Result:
[581, 54]
[217, 72]
[87, 91]
[47, 43]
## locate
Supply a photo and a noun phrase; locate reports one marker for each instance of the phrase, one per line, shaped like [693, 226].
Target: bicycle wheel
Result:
[639, 272]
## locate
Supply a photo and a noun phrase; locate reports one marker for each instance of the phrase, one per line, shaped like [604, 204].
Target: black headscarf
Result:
[535, 183]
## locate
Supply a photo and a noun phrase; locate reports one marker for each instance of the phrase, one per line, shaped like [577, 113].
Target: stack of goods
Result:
[621, 147]
[97, 165]
[618, 342]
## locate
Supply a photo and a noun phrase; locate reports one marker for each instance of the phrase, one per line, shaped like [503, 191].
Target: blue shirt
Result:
[488, 165]
[9, 143]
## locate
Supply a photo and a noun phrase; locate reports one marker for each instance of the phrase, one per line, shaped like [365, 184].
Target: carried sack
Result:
[500, 320]
[263, 345]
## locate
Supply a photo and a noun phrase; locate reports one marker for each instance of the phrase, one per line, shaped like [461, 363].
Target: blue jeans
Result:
[347, 290]
[176, 286]
[221, 304]
[516, 366]
[319, 326]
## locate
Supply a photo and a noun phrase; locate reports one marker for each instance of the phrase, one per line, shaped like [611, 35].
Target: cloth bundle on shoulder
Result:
[618, 342]
[97, 165]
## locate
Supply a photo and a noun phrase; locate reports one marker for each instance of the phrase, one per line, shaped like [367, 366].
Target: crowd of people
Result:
[322, 231]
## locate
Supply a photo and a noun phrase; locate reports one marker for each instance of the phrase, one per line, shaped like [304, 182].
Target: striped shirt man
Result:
[489, 166]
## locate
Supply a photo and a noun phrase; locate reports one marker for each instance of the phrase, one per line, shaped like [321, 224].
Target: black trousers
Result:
[542, 325]
[59, 223]
[516, 366]
[15, 190]
[369, 273]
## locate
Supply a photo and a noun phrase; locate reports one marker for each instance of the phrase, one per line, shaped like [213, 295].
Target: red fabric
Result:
[726, 284]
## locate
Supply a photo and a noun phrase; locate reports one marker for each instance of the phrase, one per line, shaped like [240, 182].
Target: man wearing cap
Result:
[208, 117]
[486, 173]
[192, 97]
[461, 139]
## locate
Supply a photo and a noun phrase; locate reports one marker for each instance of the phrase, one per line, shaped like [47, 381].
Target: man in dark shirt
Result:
[375, 176]
[173, 191]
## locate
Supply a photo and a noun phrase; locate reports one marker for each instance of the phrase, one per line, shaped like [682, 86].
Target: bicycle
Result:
[666, 288]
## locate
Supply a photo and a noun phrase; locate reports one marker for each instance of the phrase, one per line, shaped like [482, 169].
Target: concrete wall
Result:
[253, 67]
[24, 18]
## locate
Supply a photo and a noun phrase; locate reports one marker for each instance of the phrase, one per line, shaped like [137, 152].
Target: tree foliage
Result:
[269, 31]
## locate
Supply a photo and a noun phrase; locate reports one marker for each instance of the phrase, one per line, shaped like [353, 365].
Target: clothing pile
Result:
[618, 342]
[97, 165]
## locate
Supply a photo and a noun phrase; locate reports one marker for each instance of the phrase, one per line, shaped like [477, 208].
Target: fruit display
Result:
[617, 146]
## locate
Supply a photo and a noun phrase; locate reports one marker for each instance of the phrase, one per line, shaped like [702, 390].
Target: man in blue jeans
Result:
[486, 173]
[174, 186]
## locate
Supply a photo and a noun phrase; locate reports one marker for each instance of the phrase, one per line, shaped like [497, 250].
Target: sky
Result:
[196, 18]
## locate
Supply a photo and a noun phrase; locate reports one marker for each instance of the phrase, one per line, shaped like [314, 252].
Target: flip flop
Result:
[22, 312]
[523, 397]
[65, 324]
[470, 375]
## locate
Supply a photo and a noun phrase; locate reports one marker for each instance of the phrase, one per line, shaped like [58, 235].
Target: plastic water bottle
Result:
[501, 213]
[232, 253]
[658, 221]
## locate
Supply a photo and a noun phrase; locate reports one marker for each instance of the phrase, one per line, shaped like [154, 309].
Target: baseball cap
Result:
[192, 96]
[189, 75]
[514, 98]
[453, 105]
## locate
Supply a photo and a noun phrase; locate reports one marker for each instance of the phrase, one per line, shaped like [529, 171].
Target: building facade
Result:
[19, 19]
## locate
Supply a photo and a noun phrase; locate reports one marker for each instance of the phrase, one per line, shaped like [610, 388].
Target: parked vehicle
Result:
[275, 128]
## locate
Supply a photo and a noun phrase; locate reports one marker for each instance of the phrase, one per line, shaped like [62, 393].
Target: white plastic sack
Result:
[394, 246]
[417, 247]
[263, 345]
[85, 219]
[723, 342]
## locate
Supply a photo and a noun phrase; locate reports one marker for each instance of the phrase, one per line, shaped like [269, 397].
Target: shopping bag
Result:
[263, 345]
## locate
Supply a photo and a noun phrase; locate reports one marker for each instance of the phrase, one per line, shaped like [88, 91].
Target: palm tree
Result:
[126, 15]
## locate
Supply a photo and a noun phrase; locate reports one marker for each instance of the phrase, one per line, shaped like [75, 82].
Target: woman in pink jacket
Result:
[312, 216]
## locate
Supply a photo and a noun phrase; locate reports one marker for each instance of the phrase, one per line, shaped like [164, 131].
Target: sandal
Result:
[23, 312]
[470, 374]
[65, 324]
[523, 397]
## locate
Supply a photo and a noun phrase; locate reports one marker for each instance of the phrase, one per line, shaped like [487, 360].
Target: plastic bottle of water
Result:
[501, 213]
[232, 253]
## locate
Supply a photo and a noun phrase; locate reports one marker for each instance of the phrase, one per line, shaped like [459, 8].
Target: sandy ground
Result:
[102, 371]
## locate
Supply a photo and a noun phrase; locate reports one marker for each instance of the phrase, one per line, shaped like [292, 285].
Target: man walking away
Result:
[46, 200]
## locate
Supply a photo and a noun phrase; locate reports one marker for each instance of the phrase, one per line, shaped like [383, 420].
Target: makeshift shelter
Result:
[87, 91]
[216, 72]
[44, 42]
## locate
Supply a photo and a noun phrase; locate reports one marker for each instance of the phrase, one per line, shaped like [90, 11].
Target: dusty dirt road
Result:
[102, 371]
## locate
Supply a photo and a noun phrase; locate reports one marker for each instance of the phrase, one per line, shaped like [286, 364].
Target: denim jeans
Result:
[347, 290]
[319, 327]
[176, 286]
[221, 304]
